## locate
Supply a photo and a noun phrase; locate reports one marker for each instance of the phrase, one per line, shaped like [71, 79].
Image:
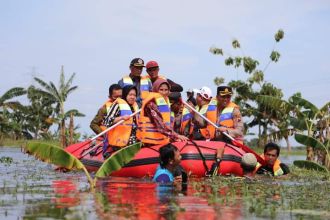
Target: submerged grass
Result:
[302, 193]
[21, 142]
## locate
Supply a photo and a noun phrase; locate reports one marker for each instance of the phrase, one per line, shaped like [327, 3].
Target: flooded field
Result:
[31, 189]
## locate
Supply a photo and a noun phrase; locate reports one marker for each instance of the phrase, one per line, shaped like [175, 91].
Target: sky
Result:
[98, 39]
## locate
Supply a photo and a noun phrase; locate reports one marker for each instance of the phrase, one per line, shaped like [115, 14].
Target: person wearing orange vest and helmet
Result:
[153, 74]
[155, 117]
[206, 106]
[142, 83]
[124, 134]
[97, 124]
[273, 166]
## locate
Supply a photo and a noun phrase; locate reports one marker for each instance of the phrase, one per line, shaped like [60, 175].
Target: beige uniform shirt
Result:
[238, 130]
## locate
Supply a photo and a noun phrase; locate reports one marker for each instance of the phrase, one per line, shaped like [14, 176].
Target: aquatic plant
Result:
[56, 155]
[6, 160]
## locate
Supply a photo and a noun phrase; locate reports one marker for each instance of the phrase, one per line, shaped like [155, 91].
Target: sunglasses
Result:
[153, 68]
[138, 67]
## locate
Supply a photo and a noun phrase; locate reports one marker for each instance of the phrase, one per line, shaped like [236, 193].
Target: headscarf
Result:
[158, 83]
[126, 90]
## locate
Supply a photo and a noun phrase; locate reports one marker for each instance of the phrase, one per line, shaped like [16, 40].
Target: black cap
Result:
[137, 62]
[174, 96]
[224, 90]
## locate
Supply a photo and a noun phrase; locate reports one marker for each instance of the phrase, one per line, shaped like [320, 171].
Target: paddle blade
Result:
[249, 150]
[310, 165]
[118, 159]
[54, 154]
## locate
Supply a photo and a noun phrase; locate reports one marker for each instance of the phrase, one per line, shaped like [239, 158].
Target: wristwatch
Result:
[218, 160]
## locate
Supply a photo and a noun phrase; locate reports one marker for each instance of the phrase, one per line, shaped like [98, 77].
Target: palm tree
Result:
[5, 104]
[60, 95]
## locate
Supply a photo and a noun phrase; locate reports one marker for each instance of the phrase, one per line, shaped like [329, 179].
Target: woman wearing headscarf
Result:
[155, 117]
[125, 133]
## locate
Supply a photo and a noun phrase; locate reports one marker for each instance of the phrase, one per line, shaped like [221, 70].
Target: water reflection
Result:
[31, 189]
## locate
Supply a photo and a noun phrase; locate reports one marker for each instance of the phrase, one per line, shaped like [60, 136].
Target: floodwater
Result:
[31, 189]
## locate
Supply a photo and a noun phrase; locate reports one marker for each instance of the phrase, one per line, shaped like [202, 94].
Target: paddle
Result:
[234, 142]
[100, 134]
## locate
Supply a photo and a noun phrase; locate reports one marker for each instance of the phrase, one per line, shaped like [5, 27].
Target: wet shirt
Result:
[267, 169]
[163, 175]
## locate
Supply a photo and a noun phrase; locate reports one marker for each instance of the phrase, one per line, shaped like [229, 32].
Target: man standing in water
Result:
[273, 165]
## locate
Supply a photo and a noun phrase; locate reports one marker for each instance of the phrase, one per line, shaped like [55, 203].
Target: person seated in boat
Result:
[181, 115]
[124, 134]
[190, 98]
[153, 75]
[206, 106]
[97, 124]
[273, 166]
[229, 118]
[169, 169]
[142, 83]
[155, 117]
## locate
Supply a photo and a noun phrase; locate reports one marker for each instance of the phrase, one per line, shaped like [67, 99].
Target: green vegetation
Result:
[45, 108]
[56, 155]
[262, 103]
[271, 197]
[249, 89]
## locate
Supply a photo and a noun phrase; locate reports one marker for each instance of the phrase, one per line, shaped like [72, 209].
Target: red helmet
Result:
[151, 64]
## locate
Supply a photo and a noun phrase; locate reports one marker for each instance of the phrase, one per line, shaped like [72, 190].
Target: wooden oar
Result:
[103, 132]
[234, 142]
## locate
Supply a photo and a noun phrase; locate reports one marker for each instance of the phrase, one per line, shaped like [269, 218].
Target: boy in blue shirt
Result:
[169, 170]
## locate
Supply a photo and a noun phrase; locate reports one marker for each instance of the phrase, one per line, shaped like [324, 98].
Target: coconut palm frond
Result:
[43, 84]
[69, 82]
[11, 93]
[75, 112]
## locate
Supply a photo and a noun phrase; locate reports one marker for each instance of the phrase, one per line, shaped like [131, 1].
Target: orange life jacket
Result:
[210, 112]
[225, 119]
[144, 85]
[107, 105]
[119, 135]
[147, 132]
[276, 167]
[185, 121]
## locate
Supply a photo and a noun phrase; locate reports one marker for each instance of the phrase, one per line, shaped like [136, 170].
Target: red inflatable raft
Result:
[197, 158]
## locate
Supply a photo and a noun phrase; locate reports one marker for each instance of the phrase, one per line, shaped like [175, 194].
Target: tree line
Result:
[45, 109]
[262, 104]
